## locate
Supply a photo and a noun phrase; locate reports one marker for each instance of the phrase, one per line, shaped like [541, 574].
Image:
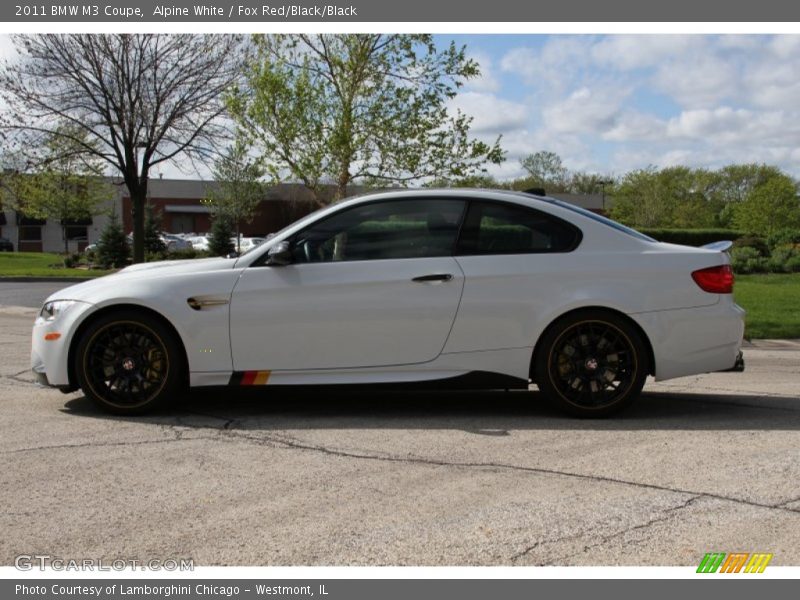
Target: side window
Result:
[382, 230]
[500, 228]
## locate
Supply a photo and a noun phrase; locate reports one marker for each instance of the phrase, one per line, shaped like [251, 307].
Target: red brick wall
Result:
[271, 216]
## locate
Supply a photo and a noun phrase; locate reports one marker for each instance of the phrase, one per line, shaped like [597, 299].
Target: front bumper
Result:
[50, 357]
[39, 371]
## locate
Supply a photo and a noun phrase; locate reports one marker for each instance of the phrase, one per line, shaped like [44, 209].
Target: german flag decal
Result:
[249, 378]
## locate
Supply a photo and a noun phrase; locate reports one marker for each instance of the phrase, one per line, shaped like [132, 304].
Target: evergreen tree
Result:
[112, 247]
[220, 243]
[153, 243]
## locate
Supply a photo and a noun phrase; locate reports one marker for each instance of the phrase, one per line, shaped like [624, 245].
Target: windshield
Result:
[604, 220]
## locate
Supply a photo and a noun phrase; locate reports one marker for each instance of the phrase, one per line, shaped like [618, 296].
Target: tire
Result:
[591, 363]
[129, 363]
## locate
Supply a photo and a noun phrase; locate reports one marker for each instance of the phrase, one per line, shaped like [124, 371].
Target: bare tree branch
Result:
[132, 100]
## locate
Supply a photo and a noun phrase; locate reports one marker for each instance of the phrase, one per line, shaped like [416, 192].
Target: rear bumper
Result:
[738, 366]
[695, 340]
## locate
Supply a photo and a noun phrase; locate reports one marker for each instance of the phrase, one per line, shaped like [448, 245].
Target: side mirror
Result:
[279, 255]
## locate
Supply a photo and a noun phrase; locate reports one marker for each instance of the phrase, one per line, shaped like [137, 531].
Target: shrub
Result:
[151, 256]
[153, 244]
[220, 244]
[112, 247]
[745, 260]
[186, 253]
[692, 237]
[793, 264]
[752, 241]
[784, 237]
[72, 260]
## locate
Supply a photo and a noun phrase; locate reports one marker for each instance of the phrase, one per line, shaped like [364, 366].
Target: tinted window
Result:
[382, 230]
[498, 228]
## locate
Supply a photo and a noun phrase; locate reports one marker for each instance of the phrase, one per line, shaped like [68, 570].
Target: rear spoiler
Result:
[722, 246]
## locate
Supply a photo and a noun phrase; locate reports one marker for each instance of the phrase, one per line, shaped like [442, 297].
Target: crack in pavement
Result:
[227, 432]
[17, 377]
[665, 516]
[297, 444]
[790, 501]
[173, 428]
[108, 444]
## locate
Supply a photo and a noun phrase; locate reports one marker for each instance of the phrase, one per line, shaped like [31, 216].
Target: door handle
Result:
[433, 277]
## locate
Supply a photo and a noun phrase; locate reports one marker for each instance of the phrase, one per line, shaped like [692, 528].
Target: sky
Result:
[612, 103]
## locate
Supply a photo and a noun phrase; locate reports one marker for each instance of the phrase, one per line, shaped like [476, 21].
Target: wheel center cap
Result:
[128, 364]
[591, 364]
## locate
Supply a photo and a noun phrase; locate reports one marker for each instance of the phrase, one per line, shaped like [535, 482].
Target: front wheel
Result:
[128, 363]
[591, 363]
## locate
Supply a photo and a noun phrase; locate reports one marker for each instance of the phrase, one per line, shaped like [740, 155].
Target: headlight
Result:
[52, 310]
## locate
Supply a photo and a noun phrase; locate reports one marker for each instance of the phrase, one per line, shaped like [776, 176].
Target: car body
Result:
[6, 245]
[463, 287]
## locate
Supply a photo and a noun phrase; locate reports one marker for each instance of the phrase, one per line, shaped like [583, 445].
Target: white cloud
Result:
[491, 114]
[632, 125]
[586, 110]
[697, 81]
[627, 52]
[553, 67]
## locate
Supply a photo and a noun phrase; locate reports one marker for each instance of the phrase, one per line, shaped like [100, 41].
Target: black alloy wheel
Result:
[128, 363]
[592, 363]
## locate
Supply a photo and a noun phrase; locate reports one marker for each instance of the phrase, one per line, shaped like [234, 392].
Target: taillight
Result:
[715, 280]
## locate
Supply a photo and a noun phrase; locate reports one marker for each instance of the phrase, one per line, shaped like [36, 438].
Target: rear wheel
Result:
[129, 363]
[591, 363]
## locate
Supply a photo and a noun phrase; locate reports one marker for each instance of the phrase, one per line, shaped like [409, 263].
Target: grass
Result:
[772, 303]
[40, 264]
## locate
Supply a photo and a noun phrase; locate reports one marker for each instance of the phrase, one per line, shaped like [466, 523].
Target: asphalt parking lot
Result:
[317, 477]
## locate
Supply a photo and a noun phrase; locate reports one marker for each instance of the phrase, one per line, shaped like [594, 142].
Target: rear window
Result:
[500, 228]
[604, 220]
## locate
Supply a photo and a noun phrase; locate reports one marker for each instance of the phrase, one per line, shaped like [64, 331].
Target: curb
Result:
[45, 279]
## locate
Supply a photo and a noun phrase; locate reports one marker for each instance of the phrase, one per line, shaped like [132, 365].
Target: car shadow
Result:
[480, 412]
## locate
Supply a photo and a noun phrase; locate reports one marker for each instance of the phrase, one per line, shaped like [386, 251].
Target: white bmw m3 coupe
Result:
[475, 288]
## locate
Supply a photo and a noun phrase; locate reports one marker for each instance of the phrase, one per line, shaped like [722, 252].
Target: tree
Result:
[239, 189]
[220, 244]
[546, 170]
[772, 205]
[581, 182]
[471, 181]
[66, 185]
[153, 243]
[112, 247]
[131, 100]
[671, 197]
[736, 182]
[339, 108]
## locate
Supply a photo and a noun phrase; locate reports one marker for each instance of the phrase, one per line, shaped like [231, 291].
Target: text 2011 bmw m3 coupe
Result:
[470, 288]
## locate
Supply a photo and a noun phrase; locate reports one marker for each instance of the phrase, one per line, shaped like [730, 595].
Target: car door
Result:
[371, 285]
[518, 263]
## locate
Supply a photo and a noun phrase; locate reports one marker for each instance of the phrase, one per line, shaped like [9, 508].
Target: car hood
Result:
[90, 291]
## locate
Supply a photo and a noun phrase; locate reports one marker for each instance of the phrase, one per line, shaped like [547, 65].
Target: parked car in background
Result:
[174, 242]
[247, 243]
[6, 245]
[458, 288]
[199, 242]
